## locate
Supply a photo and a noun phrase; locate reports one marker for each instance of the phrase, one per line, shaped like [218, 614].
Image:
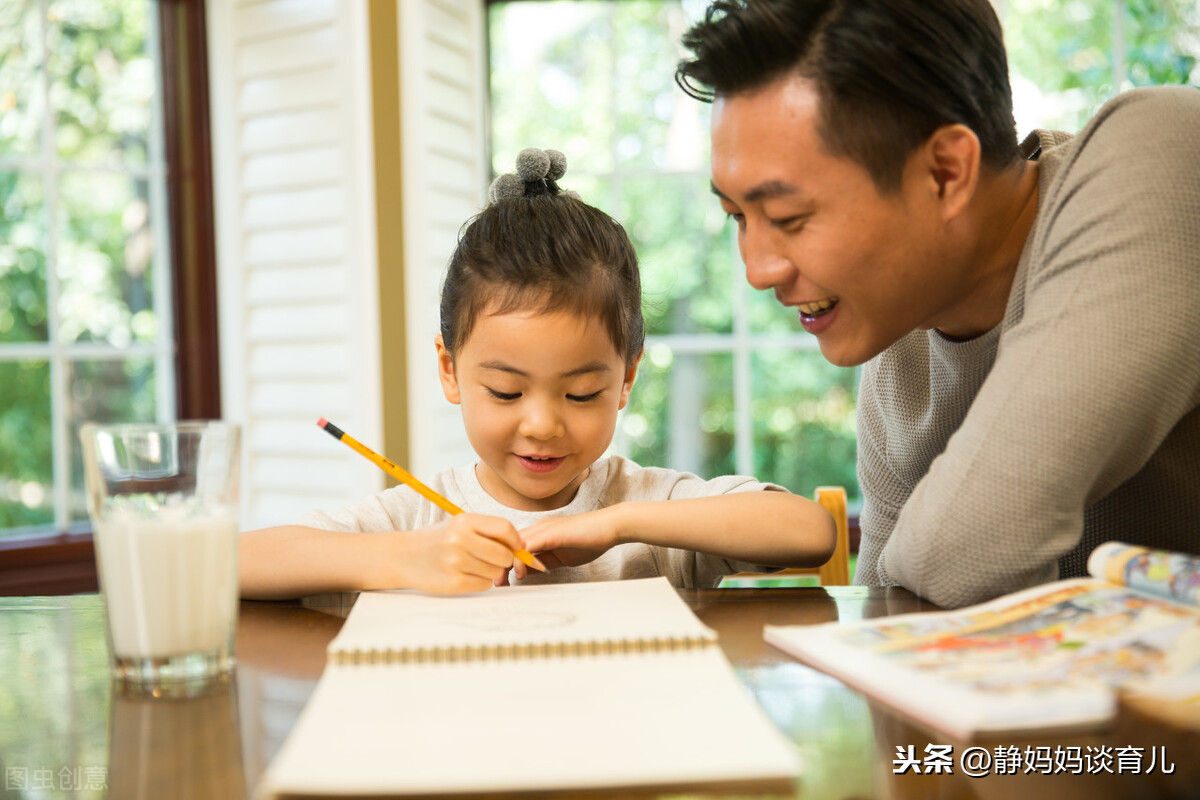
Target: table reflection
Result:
[66, 731]
[177, 747]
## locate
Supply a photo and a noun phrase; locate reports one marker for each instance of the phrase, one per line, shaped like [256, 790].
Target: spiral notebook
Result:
[608, 686]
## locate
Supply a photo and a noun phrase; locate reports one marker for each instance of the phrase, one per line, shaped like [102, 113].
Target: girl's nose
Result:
[541, 421]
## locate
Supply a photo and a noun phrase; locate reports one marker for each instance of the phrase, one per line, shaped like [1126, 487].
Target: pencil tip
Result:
[533, 562]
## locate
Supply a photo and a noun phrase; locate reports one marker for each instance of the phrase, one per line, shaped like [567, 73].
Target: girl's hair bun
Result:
[532, 164]
[558, 165]
[537, 173]
[505, 186]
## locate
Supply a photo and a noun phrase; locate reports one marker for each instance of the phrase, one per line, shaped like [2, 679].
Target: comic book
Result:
[1052, 658]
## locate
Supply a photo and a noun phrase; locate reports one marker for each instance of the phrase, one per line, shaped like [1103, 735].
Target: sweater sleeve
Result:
[1092, 378]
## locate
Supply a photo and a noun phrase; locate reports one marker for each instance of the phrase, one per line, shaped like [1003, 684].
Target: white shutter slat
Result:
[303, 323]
[286, 286]
[292, 398]
[300, 245]
[304, 474]
[298, 291]
[443, 82]
[452, 173]
[453, 134]
[439, 244]
[281, 16]
[281, 506]
[290, 129]
[293, 168]
[294, 207]
[299, 51]
[449, 64]
[448, 210]
[453, 18]
[299, 436]
[293, 361]
[268, 95]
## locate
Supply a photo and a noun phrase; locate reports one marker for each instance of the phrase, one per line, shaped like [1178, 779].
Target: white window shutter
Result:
[297, 261]
[443, 95]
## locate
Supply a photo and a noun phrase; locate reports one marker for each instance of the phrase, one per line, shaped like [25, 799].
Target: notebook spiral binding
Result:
[466, 653]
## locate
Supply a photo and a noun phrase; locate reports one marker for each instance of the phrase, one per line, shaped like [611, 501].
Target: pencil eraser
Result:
[322, 422]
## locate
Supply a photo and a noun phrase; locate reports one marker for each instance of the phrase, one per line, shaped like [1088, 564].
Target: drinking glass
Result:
[163, 500]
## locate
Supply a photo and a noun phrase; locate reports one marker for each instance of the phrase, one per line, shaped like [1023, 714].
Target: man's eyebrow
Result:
[592, 366]
[764, 191]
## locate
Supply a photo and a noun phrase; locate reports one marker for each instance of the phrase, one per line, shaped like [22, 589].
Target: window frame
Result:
[63, 562]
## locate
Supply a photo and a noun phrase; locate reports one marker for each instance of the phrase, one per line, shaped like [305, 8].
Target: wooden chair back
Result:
[835, 571]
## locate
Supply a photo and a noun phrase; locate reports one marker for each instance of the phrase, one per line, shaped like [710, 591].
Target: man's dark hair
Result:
[888, 72]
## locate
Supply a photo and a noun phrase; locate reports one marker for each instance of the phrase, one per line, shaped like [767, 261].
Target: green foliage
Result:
[803, 412]
[1067, 50]
[105, 260]
[26, 464]
[101, 80]
[685, 252]
[680, 412]
[22, 259]
[99, 245]
[596, 80]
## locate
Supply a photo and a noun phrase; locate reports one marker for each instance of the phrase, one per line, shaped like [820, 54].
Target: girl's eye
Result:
[503, 395]
[583, 398]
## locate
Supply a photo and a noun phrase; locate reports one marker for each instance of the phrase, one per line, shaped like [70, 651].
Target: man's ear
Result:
[446, 372]
[630, 374]
[951, 157]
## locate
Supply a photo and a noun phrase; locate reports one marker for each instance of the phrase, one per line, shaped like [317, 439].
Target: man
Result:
[1028, 316]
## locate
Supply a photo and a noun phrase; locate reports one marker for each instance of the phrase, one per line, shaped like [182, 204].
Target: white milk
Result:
[170, 585]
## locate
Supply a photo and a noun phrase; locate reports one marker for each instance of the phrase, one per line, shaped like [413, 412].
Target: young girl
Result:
[541, 337]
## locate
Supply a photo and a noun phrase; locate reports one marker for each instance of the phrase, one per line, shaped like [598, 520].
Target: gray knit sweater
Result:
[999, 463]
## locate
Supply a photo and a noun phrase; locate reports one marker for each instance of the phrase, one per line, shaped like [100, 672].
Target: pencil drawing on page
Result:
[510, 619]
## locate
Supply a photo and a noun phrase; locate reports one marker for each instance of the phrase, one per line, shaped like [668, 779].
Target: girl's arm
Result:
[466, 553]
[771, 528]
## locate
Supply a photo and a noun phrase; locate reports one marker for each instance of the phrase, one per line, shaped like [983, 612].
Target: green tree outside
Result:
[595, 79]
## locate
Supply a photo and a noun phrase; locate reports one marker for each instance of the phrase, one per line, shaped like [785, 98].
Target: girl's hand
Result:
[571, 540]
[466, 553]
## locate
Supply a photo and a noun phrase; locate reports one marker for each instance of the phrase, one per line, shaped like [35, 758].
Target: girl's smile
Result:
[539, 393]
[541, 463]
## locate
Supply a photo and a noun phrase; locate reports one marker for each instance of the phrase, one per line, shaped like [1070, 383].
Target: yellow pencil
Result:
[405, 477]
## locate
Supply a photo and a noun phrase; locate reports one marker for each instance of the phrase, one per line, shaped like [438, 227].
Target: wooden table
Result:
[65, 731]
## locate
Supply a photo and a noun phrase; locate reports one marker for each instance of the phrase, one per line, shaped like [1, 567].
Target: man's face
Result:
[862, 268]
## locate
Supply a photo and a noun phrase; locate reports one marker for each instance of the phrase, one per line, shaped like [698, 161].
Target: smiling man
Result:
[1028, 315]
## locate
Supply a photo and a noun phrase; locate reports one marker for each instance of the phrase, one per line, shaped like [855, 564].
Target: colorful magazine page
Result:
[1054, 656]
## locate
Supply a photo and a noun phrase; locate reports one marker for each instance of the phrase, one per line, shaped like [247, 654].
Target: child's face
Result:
[539, 394]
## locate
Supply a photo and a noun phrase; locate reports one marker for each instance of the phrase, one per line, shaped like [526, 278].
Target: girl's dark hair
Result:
[545, 251]
[888, 72]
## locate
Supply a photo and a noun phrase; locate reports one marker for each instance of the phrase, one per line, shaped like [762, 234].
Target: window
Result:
[106, 261]
[730, 383]
[1066, 59]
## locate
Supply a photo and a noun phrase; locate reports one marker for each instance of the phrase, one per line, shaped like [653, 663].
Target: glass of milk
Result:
[163, 499]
